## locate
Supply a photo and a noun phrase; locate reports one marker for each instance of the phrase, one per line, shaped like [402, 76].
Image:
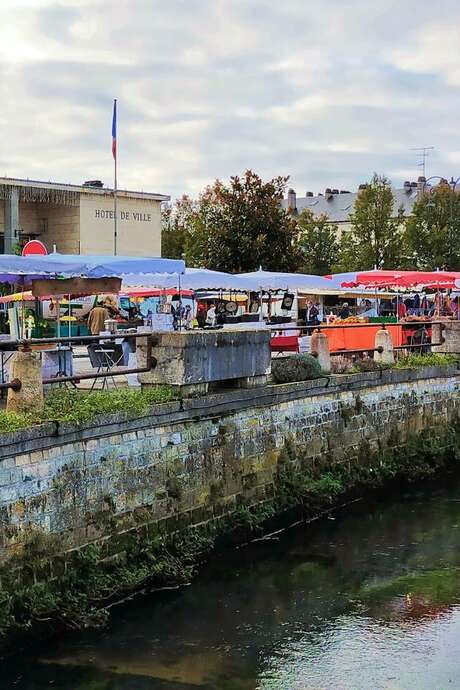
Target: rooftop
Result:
[78, 188]
[338, 205]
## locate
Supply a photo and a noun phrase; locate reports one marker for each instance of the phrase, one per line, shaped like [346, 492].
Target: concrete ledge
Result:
[54, 434]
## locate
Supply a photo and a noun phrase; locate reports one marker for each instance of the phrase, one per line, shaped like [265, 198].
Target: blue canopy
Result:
[15, 269]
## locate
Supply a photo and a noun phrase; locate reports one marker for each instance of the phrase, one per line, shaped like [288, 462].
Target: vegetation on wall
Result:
[75, 407]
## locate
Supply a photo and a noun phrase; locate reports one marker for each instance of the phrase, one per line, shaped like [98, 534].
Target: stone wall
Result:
[195, 460]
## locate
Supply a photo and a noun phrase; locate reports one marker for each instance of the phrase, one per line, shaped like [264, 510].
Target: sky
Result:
[324, 92]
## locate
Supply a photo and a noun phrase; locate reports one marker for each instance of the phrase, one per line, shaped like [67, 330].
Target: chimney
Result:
[421, 185]
[328, 193]
[93, 183]
[292, 201]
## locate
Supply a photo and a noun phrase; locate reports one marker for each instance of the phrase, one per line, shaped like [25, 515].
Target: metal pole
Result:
[115, 155]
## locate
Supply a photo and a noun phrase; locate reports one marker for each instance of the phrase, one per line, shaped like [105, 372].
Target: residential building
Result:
[338, 204]
[79, 219]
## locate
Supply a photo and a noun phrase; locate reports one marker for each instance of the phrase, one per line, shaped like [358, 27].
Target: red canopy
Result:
[395, 279]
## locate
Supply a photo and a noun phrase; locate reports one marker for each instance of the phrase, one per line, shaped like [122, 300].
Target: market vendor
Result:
[97, 318]
[344, 311]
[367, 310]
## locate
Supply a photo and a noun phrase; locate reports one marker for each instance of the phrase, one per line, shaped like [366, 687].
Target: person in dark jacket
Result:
[344, 311]
[311, 314]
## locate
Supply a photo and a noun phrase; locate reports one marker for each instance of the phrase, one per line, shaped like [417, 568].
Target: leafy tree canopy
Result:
[318, 242]
[241, 226]
[176, 224]
[375, 235]
[433, 231]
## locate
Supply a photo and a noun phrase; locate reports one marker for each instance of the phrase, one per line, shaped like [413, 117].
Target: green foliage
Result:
[298, 367]
[14, 421]
[375, 236]
[433, 231]
[241, 226]
[431, 359]
[318, 242]
[176, 224]
[75, 407]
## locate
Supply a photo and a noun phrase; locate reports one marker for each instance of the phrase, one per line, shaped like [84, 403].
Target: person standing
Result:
[188, 316]
[201, 315]
[311, 314]
[344, 312]
[97, 318]
[211, 315]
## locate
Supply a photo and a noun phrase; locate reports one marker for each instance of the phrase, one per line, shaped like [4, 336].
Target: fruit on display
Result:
[349, 321]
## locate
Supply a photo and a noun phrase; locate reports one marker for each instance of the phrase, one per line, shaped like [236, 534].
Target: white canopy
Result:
[267, 280]
[25, 268]
[192, 279]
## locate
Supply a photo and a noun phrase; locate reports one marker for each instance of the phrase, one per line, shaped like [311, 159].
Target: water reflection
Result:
[370, 601]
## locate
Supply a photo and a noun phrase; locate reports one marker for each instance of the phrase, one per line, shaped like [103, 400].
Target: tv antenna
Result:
[424, 152]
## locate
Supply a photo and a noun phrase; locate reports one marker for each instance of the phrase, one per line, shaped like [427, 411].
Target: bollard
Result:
[447, 335]
[320, 345]
[27, 367]
[383, 340]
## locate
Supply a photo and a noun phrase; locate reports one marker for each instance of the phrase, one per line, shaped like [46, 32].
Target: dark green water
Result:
[368, 601]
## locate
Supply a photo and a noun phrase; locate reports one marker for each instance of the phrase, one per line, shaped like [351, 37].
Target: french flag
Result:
[114, 130]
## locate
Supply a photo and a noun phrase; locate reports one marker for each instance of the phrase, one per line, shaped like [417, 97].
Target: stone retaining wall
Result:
[195, 460]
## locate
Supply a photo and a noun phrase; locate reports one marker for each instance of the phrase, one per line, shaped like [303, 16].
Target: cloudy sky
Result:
[325, 92]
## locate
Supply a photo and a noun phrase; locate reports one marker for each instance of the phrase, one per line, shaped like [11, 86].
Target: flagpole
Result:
[115, 155]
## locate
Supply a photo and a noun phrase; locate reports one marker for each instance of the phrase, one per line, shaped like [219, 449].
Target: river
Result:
[369, 600]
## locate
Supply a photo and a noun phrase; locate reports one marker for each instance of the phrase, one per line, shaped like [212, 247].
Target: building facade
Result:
[79, 219]
[338, 204]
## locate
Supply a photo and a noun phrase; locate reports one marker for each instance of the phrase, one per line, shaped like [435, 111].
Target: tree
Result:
[176, 224]
[318, 242]
[375, 236]
[241, 226]
[433, 231]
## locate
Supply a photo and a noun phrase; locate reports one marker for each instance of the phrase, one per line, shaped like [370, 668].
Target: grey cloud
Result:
[207, 88]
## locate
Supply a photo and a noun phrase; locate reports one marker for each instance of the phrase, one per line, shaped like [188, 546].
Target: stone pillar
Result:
[320, 346]
[447, 333]
[26, 366]
[383, 340]
[11, 221]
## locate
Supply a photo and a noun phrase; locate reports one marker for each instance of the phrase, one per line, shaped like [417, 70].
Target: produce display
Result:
[421, 319]
[411, 318]
[349, 320]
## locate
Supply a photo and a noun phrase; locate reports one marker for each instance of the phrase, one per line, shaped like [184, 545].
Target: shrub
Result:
[366, 364]
[295, 368]
[431, 359]
[341, 364]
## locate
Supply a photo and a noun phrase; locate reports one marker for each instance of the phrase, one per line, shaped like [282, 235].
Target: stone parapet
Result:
[447, 333]
[194, 359]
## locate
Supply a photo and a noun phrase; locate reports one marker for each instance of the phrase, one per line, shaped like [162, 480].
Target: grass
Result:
[75, 407]
[413, 360]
